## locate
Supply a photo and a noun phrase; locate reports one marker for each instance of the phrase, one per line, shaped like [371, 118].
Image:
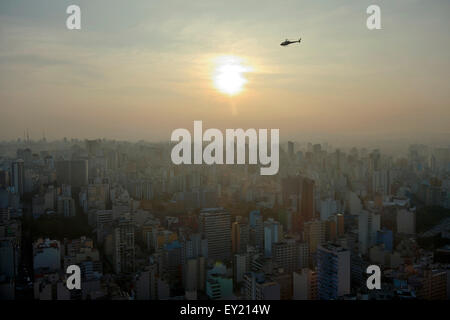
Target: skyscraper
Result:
[285, 254]
[257, 287]
[298, 193]
[307, 209]
[333, 271]
[4, 178]
[368, 225]
[240, 237]
[8, 258]
[291, 149]
[241, 265]
[304, 284]
[406, 221]
[272, 234]
[72, 172]
[256, 230]
[315, 234]
[62, 168]
[123, 241]
[215, 226]
[79, 173]
[18, 176]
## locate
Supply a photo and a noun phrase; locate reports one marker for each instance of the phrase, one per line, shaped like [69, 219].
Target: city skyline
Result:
[234, 152]
[138, 227]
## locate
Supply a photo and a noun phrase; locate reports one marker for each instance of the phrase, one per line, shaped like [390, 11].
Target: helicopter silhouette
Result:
[288, 42]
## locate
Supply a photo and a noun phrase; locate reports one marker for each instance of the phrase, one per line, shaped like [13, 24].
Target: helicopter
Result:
[288, 42]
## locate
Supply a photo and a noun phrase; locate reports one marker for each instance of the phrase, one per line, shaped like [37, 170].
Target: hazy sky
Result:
[140, 69]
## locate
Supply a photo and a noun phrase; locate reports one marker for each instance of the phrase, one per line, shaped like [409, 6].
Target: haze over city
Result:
[231, 152]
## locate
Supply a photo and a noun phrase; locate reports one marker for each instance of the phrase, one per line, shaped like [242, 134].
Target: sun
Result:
[228, 75]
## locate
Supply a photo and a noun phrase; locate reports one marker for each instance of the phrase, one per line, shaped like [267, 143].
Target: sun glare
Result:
[228, 76]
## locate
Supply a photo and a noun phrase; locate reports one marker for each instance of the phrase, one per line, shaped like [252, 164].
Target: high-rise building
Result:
[104, 219]
[8, 258]
[368, 225]
[406, 221]
[195, 274]
[66, 206]
[240, 236]
[218, 284]
[307, 209]
[302, 255]
[257, 287]
[5, 214]
[291, 189]
[215, 226]
[4, 179]
[123, 242]
[79, 173]
[256, 230]
[333, 271]
[241, 265]
[62, 168]
[50, 198]
[98, 196]
[432, 285]
[196, 246]
[285, 281]
[315, 234]
[72, 172]
[335, 227]
[18, 177]
[328, 207]
[173, 257]
[291, 149]
[340, 225]
[285, 254]
[298, 194]
[272, 234]
[386, 238]
[304, 284]
[146, 283]
[381, 182]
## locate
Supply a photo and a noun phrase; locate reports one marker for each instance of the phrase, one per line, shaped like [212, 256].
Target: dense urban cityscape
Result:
[142, 228]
